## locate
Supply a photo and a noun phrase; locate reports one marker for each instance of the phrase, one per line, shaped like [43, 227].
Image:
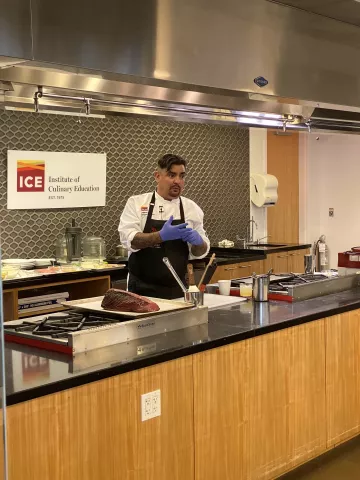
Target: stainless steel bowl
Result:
[121, 251]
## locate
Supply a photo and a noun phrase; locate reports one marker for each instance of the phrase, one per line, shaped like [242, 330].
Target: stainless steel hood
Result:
[235, 61]
[344, 10]
[46, 89]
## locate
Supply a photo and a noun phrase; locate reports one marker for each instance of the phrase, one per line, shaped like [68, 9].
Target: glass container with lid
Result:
[61, 249]
[94, 249]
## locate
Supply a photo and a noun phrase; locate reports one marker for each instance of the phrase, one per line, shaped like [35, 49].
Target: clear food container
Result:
[94, 249]
[246, 290]
[61, 249]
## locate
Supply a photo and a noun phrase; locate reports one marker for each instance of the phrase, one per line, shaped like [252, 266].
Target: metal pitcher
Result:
[261, 287]
[197, 298]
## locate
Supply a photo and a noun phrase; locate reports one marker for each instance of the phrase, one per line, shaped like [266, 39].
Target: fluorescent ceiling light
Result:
[274, 116]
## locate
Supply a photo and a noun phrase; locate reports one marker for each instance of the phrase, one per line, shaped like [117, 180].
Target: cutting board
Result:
[94, 305]
[213, 301]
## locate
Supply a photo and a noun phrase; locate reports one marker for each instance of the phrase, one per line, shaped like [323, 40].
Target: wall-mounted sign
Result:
[55, 180]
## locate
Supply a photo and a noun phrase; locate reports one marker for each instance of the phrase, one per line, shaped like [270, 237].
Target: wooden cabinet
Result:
[287, 403]
[268, 405]
[278, 262]
[307, 393]
[224, 272]
[285, 262]
[80, 288]
[296, 260]
[283, 162]
[247, 268]
[221, 389]
[282, 262]
[252, 410]
[343, 376]
[235, 270]
[95, 431]
[259, 405]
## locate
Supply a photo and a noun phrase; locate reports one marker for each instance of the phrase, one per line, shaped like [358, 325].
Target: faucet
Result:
[262, 238]
[250, 236]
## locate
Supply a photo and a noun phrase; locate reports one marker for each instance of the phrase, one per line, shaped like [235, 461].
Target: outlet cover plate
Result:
[150, 405]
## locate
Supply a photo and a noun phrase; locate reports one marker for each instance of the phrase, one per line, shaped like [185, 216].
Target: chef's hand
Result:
[172, 232]
[192, 236]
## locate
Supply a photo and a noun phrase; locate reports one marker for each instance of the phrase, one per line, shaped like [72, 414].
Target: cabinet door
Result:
[307, 403]
[259, 405]
[261, 268]
[280, 262]
[58, 440]
[269, 262]
[222, 272]
[244, 270]
[343, 376]
[248, 268]
[296, 260]
[236, 270]
[221, 390]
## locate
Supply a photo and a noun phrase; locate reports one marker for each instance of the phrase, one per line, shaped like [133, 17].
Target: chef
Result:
[162, 224]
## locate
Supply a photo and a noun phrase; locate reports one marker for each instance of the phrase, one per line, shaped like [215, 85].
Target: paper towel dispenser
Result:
[263, 189]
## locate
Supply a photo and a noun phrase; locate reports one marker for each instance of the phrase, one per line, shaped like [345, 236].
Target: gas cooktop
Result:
[290, 286]
[59, 325]
[284, 280]
[292, 280]
[74, 332]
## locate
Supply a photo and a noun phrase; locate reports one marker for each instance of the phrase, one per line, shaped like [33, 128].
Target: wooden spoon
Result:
[200, 286]
[192, 285]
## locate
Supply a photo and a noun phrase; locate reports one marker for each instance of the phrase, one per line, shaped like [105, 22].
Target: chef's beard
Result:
[175, 192]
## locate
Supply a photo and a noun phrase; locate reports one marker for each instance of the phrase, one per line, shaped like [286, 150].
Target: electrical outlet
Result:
[150, 405]
[156, 403]
[331, 212]
[146, 407]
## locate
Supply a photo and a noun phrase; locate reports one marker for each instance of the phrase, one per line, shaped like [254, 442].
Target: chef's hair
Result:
[168, 160]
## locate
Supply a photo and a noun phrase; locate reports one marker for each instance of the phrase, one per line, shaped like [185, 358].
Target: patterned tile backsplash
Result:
[218, 174]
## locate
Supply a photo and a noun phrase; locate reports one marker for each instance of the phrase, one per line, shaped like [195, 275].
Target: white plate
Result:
[18, 261]
[214, 301]
[23, 264]
[43, 262]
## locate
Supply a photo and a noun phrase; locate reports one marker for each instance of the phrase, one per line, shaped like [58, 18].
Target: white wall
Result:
[258, 164]
[330, 178]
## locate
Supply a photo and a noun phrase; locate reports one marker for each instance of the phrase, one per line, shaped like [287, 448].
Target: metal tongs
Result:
[174, 274]
[197, 298]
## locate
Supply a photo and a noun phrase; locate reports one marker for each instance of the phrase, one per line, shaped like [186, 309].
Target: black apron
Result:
[149, 276]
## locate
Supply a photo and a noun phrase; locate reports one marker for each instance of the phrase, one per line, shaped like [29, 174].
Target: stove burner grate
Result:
[59, 326]
[294, 281]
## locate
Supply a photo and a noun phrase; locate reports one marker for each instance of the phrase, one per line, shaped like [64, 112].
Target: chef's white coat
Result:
[133, 218]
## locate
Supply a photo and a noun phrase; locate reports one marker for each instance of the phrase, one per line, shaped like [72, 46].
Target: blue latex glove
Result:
[172, 232]
[192, 236]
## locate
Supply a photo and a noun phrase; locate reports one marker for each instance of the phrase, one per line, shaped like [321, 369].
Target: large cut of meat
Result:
[122, 301]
